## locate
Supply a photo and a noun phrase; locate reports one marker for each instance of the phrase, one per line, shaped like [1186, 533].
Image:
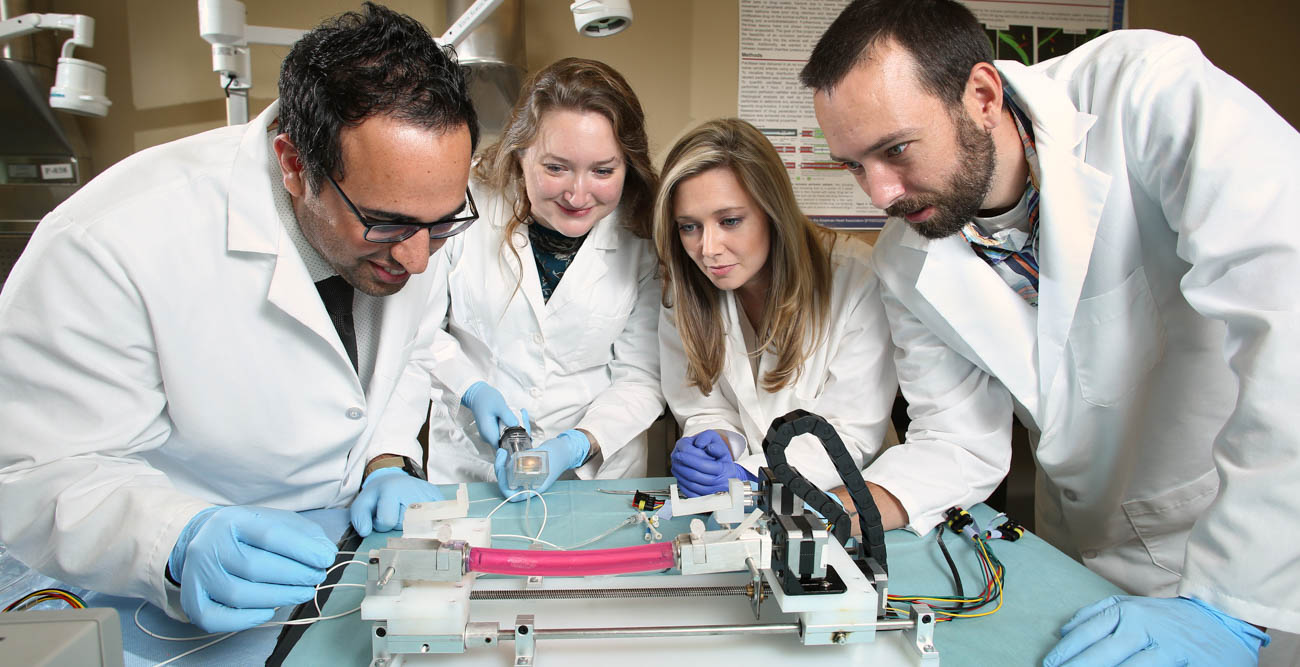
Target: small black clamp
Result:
[959, 521]
[1008, 530]
[644, 501]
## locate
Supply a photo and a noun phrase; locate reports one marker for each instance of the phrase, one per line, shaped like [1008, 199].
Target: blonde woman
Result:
[552, 296]
[764, 313]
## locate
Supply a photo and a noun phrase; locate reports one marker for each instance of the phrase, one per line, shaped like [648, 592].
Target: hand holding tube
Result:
[702, 464]
[490, 410]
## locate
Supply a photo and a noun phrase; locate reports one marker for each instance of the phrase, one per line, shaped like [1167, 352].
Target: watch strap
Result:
[393, 461]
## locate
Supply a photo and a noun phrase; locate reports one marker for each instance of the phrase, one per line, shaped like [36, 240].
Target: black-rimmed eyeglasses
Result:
[396, 232]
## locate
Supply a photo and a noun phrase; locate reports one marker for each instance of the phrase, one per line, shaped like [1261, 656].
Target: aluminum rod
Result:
[508, 634]
[664, 631]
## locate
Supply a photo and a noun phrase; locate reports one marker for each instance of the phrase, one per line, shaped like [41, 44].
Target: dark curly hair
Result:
[362, 64]
[943, 36]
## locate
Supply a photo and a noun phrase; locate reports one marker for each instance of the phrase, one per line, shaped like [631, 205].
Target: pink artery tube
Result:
[644, 558]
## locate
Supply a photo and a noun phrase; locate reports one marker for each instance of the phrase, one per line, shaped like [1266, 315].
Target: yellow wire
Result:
[44, 595]
[994, 571]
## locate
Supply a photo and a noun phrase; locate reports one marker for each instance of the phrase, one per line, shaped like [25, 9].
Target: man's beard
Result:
[966, 189]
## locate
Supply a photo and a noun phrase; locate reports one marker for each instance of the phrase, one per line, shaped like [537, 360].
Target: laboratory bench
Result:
[1042, 588]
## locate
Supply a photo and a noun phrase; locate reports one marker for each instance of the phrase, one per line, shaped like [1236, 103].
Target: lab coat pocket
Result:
[591, 345]
[1164, 521]
[1117, 338]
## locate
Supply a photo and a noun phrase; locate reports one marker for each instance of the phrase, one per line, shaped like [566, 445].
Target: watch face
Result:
[412, 469]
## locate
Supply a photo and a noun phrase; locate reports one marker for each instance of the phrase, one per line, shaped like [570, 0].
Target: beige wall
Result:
[679, 55]
[162, 86]
[1251, 40]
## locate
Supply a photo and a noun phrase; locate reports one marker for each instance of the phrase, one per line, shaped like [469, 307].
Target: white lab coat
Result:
[165, 350]
[586, 358]
[848, 379]
[1159, 373]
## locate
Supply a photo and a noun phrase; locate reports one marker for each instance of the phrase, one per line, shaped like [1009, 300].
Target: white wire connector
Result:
[651, 522]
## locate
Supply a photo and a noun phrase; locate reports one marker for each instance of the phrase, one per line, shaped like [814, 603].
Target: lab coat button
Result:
[1070, 495]
[535, 392]
[1089, 554]
[354, 413]
[537, 338]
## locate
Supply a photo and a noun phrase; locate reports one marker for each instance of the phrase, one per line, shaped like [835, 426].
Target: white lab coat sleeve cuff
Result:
[912, 480]
[735, 440]
[592, 469]
[1269, 616]
[163, 593]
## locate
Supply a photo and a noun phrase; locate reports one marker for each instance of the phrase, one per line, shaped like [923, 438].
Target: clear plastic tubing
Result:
[642, 558]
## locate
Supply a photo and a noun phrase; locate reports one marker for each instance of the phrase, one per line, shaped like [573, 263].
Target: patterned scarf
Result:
[554, 253]
[1012, 253]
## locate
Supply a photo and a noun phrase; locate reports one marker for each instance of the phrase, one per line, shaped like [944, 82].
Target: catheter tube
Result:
[643, 558]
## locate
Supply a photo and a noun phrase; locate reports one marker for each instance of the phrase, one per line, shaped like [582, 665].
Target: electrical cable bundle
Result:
[45, 594]
[950, 607]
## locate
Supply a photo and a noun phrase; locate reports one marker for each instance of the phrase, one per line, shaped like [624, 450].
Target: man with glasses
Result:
[224, 330]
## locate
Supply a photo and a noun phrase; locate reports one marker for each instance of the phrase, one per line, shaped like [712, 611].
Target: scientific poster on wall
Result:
[776, 37]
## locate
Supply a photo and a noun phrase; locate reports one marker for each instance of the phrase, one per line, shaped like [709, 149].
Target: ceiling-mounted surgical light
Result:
[222, 23]
[593, 18]
[601, 18]
[79, 85]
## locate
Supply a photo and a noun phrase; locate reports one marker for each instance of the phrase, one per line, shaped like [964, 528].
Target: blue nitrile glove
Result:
[1155, 631]
[237, 564]
[381, 505]
[489, 407]
[702, 464]
[563, 452]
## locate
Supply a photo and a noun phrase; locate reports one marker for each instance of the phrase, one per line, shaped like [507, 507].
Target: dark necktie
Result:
[336, 294]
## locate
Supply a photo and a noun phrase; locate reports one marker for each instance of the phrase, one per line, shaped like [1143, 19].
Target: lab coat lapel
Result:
[525, 272]
[980, 311]
[736, 367]
[588, 266]
[250, 229]
[1073, 194]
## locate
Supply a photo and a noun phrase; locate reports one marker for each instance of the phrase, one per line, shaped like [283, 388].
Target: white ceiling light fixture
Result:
[593, 18]
[79, 85]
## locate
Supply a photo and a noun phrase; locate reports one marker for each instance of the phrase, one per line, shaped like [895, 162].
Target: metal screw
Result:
[839, 637]
[424, 648]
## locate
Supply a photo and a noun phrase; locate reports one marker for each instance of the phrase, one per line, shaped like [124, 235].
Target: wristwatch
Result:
[593, 447]
[407, 465]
